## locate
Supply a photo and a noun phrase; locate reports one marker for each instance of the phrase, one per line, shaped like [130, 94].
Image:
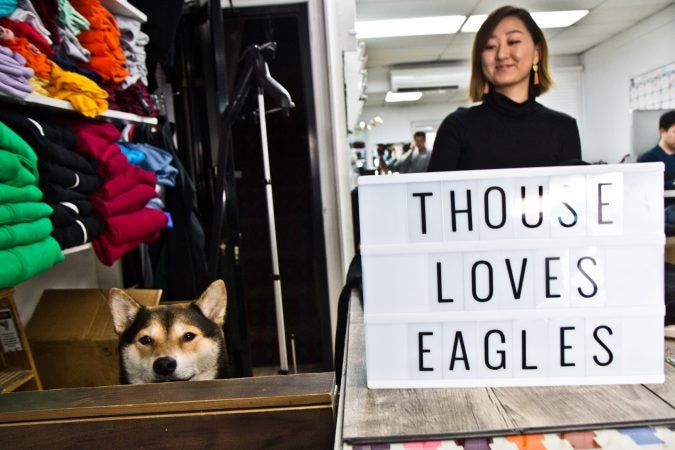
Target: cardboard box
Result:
[72, 337]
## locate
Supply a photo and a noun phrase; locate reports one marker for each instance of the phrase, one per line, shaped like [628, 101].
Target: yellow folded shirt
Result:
[39, 85]
[85, 95]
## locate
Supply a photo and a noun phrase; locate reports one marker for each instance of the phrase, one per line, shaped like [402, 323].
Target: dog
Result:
[176, 342]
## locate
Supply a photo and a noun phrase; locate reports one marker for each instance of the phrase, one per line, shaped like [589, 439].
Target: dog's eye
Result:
[187, 337]
[145, 340]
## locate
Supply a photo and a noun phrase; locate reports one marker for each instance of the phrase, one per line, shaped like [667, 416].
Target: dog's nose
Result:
[164, 365]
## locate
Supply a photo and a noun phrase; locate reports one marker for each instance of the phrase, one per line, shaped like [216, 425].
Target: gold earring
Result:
[536, 74]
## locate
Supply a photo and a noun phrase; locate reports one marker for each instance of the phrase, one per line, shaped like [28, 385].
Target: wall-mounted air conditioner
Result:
[430, 78]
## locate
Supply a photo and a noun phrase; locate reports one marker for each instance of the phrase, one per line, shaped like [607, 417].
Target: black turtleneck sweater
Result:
[500, 133]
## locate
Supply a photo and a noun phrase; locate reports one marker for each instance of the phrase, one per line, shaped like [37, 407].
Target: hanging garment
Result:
[156, 160]
[185, 242]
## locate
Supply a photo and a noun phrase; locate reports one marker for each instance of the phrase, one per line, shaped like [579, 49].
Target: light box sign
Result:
[514, 277]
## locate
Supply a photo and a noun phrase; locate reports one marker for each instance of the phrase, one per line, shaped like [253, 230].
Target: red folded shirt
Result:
[26, 30]
[124, 181]
[132, 200]
[128, 231]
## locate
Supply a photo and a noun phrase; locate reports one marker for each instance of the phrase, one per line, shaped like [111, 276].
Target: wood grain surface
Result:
[308, 428]
[371, 415]
[394, 415]
[202, 396]
[280, 412]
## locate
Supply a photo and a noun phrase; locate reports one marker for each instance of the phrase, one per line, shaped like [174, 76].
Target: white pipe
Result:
[278, 302]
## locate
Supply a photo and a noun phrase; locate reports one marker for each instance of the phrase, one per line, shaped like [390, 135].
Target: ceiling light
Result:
[546, 19]
[558, 19]
[473, 23]
[418, 26]
[392, 97]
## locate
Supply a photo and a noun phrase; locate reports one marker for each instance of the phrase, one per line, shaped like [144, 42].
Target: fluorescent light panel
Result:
[546, 19]
[417, 26]
[412, 96]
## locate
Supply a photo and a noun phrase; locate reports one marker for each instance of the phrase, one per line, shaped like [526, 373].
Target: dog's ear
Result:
[123, 308]
[213, 302]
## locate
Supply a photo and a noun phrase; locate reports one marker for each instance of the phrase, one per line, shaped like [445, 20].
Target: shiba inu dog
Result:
[177, 342]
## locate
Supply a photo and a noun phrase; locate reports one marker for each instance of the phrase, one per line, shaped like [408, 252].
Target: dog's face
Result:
[171, 343]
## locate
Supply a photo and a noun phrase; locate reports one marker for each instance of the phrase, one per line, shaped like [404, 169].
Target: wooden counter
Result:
[397, 415]
[291, 411]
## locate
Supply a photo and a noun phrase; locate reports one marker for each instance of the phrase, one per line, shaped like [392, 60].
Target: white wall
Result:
[607, 70]
[398, 119]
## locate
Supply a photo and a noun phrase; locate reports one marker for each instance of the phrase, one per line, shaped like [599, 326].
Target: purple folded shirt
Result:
[14, 74]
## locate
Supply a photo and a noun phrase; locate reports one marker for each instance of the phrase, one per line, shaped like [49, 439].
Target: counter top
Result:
[398, 415]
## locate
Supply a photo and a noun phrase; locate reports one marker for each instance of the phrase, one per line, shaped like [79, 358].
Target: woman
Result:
[509, 128]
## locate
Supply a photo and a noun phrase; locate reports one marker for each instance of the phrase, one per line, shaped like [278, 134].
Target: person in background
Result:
[419, 160]
[416, 159]
[508, 128]
[665, 149]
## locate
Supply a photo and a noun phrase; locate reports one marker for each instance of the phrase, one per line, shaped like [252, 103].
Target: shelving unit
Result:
[124, 8]
[56, 104]
[17, 368]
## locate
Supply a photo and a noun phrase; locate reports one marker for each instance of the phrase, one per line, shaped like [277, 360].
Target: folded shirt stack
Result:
[26, 13]
[122, 198]
[133, 42]
[102, 39]
[14, 74]
[67, 178]
[82, 93]
[26, 247]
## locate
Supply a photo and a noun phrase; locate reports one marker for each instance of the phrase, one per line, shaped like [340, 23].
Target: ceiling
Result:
[606, 18]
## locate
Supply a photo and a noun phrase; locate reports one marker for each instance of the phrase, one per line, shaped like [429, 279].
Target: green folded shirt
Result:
[12, 194]
[23, 212]
[13, 172]
[20, 263]
[11, 142]
[18, 234]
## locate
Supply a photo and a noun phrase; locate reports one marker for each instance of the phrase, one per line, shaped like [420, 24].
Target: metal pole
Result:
[276, 277]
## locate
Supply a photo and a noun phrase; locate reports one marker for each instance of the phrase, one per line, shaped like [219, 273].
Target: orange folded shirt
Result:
[35, 59]
[102, 40]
